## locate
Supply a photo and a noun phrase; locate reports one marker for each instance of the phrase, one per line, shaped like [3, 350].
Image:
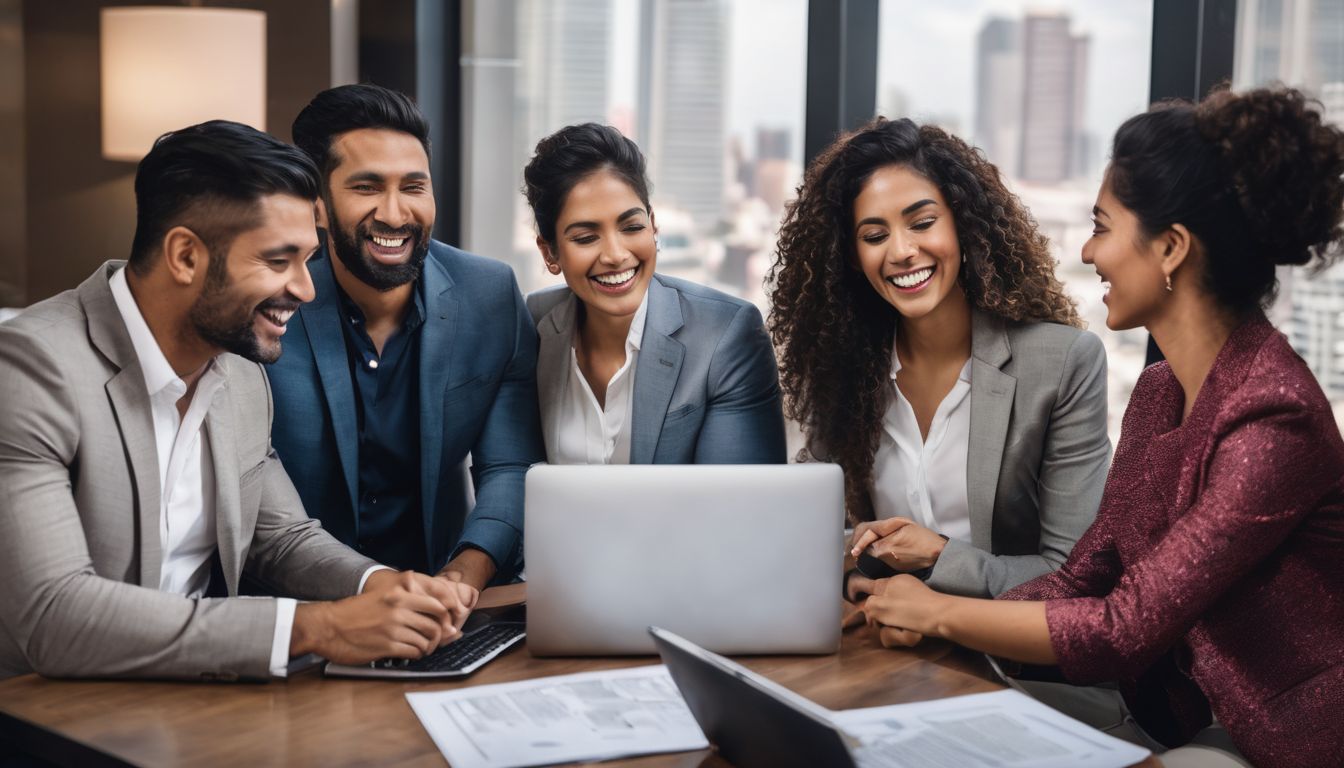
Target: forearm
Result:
[472, 567]
[1011, 629]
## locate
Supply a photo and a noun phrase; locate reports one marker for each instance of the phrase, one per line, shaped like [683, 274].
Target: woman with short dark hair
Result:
[636, 367]
[1211, 582]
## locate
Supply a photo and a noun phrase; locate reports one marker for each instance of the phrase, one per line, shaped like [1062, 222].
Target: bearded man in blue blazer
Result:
[412, 356]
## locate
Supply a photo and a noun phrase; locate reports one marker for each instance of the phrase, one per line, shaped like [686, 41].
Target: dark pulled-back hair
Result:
[348, 108]
[209, 178]
[1256, 177]
[834, 332]
[572, 154]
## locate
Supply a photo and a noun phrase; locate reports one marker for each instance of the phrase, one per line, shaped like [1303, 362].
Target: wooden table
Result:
[313, 720]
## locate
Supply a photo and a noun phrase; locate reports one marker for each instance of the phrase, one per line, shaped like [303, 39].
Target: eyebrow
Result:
[1097, 211]
[280, 250]
[594, 225]
[916, 206]
[375, 176]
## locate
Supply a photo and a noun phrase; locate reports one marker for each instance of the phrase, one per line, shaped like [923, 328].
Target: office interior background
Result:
[727, 98]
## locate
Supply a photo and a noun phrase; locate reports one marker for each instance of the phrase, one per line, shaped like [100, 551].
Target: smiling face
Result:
[906, 240]
[1127, 261]
[252, 291]
[380, 206]
[604, 245]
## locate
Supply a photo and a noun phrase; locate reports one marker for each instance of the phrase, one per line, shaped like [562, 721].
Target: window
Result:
[1301, 43]
[711, 90]
[1042, 93]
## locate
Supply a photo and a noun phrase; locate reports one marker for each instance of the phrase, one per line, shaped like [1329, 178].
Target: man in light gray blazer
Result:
[138, 479]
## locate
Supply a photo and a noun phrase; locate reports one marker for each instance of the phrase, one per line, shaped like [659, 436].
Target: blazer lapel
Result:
[130, 403]
[556, 334]
[991, 409]
[228, 514]
[660, 358]
[436, 346]
[322, 322]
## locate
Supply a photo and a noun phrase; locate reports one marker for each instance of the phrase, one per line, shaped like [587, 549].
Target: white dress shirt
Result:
[187, 534]
[585, 432]
[925, 480]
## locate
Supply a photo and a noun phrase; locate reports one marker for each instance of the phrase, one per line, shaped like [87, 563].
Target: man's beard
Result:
[381, 277]
[218, 318]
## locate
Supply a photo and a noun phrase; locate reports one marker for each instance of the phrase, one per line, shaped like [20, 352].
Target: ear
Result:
[548, 256]
[322, 214]
[1176, 243]
[653, 222]
[184, 255]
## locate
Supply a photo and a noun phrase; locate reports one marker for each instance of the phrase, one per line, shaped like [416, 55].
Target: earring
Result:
[553, 267]
[1168, 283]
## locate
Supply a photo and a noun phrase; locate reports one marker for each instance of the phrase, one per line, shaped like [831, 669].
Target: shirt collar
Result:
[415, 314]
[159, 375]
[636, 335]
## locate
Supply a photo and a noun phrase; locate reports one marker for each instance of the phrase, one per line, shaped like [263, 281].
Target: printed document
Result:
[587, 716]
[1003, 729]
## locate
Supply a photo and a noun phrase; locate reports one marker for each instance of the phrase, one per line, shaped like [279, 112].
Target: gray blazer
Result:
[79, 514]
[706, 385]
[1038, 453]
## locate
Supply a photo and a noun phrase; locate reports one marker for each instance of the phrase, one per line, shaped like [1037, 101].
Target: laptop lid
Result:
[752, 721]
[738, 559]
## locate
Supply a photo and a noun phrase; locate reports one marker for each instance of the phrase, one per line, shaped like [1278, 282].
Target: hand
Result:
[898, 542]
[902, 608]
[473, 568]
[395, 619]
[459, 599]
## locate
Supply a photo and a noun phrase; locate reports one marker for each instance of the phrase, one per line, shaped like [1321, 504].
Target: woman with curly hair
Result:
[1210, 584]
[928, 349]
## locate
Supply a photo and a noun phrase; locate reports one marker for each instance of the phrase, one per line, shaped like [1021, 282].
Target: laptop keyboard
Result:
[463, 655]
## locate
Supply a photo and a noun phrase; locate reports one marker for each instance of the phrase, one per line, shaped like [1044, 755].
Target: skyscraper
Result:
[683, 104]
[1054, 63]
[564, 52]
[998, 92]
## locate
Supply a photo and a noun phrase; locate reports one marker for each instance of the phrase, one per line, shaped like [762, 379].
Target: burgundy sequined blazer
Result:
[1220, 544]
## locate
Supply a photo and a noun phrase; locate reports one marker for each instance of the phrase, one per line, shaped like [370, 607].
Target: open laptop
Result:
[739, 559]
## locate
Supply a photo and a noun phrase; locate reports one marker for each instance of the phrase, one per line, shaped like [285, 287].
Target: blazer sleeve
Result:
[1072, 475]
[508, 445]
[744, 417]
[66, 619]
[291, 553]
[1246, 509]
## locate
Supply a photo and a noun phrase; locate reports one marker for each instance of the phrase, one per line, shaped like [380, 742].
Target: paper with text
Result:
[587, 716]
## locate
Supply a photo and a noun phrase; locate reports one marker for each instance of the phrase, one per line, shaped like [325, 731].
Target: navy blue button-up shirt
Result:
[387, 398]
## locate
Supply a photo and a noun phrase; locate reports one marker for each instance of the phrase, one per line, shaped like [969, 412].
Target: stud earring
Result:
[553, 268]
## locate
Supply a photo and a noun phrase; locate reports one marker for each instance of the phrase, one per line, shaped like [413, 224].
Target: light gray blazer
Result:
[1038, 453]
[79, 510]
[706, 385]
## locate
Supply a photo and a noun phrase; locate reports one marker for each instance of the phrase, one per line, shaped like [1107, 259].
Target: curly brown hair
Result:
[834, 332]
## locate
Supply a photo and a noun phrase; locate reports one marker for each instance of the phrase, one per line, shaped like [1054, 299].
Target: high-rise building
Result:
[1054, 65]
[683, 76]
[564, 55]
[998, 92]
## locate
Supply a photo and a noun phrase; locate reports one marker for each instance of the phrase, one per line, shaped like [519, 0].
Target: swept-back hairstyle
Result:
[209, 178]
[1257, 178]
[834, 332]
[570, 155]
[348, 108]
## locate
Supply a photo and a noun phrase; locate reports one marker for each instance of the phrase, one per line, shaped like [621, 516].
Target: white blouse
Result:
[925, 480]
[582, 430]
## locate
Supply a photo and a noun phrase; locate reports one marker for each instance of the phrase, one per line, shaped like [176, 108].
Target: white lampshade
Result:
[167, 68]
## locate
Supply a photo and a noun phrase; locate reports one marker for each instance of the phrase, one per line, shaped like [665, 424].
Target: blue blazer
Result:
[706, 385]
[477, 396]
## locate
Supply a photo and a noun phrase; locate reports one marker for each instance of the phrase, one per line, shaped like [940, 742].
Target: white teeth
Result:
[912, 279]
[279, 318]
[389, 242]
[615, 278]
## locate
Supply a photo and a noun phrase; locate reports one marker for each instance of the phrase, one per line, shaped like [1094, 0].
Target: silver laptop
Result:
[737, 559]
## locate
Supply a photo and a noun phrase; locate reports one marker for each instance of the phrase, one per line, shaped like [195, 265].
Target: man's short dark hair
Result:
[209, 178]
[348, 108]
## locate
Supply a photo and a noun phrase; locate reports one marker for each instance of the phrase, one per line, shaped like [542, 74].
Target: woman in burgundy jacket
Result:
[1212, 581]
